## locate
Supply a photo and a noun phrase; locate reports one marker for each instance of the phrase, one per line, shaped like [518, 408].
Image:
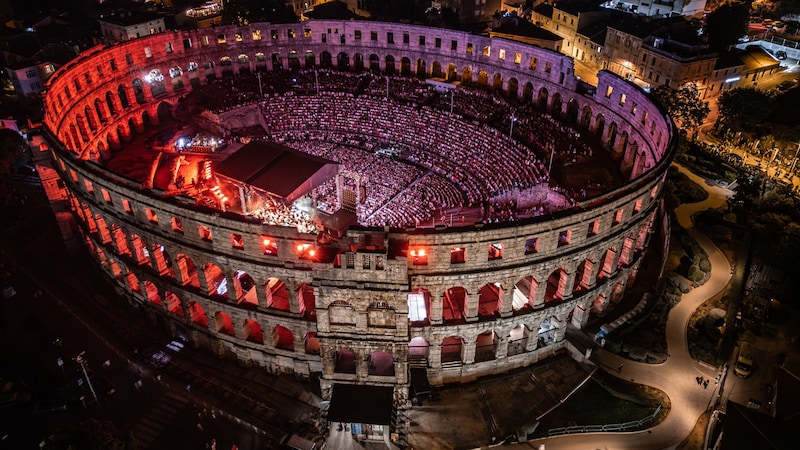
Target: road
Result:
[677, 377]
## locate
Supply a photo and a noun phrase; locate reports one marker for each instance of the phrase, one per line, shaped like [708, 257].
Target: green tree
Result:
[727, 24]
[243, 12]
[684, 105]
[12, 148]
[743, 105]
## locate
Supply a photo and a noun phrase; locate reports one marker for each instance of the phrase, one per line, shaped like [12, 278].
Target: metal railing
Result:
[634, 424]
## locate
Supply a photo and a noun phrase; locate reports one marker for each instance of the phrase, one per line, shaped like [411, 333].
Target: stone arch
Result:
[380, 363]
[164, 111]
[421, 68]
[454, 305]
[571, 114]
[556, 286]
[343, 61]
[325, 60]
[497, 82]
[358, 62]
[527, 92]
[252, 331]
[123, 96]
[110, 102]
[344, 361]
[600, 303]
[486, 346]
[309, 59]
[98, 110]
[586, 118]
[452, 351]
[151, 293]
[611, 138]
[245, 288]
[583, 276]
[197, 314]
[155, 79]
[418, 351]
[174, 304]
[419, 307]
[541, 102]
[606, 265]
[524, 294]
[548, 331]
[311, 343]
[466, 75]
[389, 66]
[140, 252]
[405, 66]
[215, 280]
[617, 292]
[436, 70]
[133, 280]
[277, 294]
[282, 338]
[599, 125]
[277, 61]
[513, 88]
[490, 301]
[622, 144]
[452, 72]
[556, 106]
[374, 63]
[223, 323]
[483, 79]
[518, 340]
[187, 271]
[138, 91]
[120, 240]
[226, 61]
[308, 302]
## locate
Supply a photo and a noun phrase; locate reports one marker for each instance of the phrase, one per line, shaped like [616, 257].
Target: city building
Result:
[123, 26]
[286, 261]
[661, 8]
[567, 18]
[29, 77]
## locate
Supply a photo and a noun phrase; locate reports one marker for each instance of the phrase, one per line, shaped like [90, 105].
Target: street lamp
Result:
[794, 161]
[82, 361]
[511, 130]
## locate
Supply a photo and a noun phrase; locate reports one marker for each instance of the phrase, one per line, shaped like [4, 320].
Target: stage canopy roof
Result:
[361, 404]
[277, 169]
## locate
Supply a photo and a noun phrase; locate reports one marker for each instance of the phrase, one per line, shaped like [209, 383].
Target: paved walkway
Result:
[677, 376]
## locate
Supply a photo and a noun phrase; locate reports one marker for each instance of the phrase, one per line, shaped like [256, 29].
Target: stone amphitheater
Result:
[494, 200]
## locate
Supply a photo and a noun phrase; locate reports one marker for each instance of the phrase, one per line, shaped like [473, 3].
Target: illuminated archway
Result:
[381, 364]
[252, 331]
[197, 314]
[223, 323]
[454, 305]
[277, 294]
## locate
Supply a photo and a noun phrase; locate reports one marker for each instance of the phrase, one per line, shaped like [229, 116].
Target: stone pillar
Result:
[468, 349]
[508, 297]
[436, 310]
[533, 339]
[473, 295]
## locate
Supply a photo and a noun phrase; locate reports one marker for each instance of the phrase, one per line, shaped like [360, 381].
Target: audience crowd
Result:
[452, 151]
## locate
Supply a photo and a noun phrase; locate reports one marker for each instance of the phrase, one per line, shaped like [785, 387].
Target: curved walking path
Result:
[677, 375]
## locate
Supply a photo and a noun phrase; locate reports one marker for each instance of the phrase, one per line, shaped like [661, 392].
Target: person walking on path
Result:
[619, 369]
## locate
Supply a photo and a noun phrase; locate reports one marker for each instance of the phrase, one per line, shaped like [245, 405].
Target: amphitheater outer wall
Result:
[360, 307]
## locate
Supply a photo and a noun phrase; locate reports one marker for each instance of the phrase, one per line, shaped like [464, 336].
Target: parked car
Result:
[785, 86]
[46, 407]
[780, 54]
[103, 385]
